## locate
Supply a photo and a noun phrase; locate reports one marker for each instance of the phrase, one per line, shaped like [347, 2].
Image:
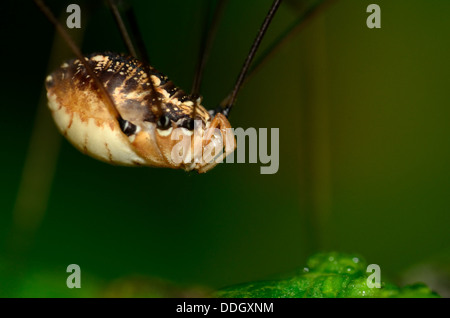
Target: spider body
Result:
[149, 112]
[123, 111]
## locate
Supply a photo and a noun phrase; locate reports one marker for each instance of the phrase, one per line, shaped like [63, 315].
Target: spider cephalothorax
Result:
[149, 112]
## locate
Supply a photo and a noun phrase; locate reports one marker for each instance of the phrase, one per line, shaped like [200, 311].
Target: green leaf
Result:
[330, 275]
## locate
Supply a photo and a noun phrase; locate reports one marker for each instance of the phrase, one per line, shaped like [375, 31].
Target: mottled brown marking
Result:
[109, 152]
[137, 163]
[85, 144]
[128, 83]
[70, 121]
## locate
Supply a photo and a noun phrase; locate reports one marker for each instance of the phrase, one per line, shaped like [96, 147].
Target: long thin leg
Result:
[109, 101]
[250, 56]
[123, 30]
[209, 32]
[141, 53]
[274, 47]
[295, 27]
[141, 48]
[205, 49]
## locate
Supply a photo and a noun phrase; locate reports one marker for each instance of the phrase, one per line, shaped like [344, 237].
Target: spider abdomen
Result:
[81, 114]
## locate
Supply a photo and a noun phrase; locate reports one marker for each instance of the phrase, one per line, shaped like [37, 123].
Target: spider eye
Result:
[127, 127]
[188, 124]
[163, 122]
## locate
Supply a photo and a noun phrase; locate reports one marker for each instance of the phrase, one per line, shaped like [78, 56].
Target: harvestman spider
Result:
[119, 109]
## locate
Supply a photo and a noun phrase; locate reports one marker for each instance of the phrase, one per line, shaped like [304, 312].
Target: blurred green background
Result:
[364, 156]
